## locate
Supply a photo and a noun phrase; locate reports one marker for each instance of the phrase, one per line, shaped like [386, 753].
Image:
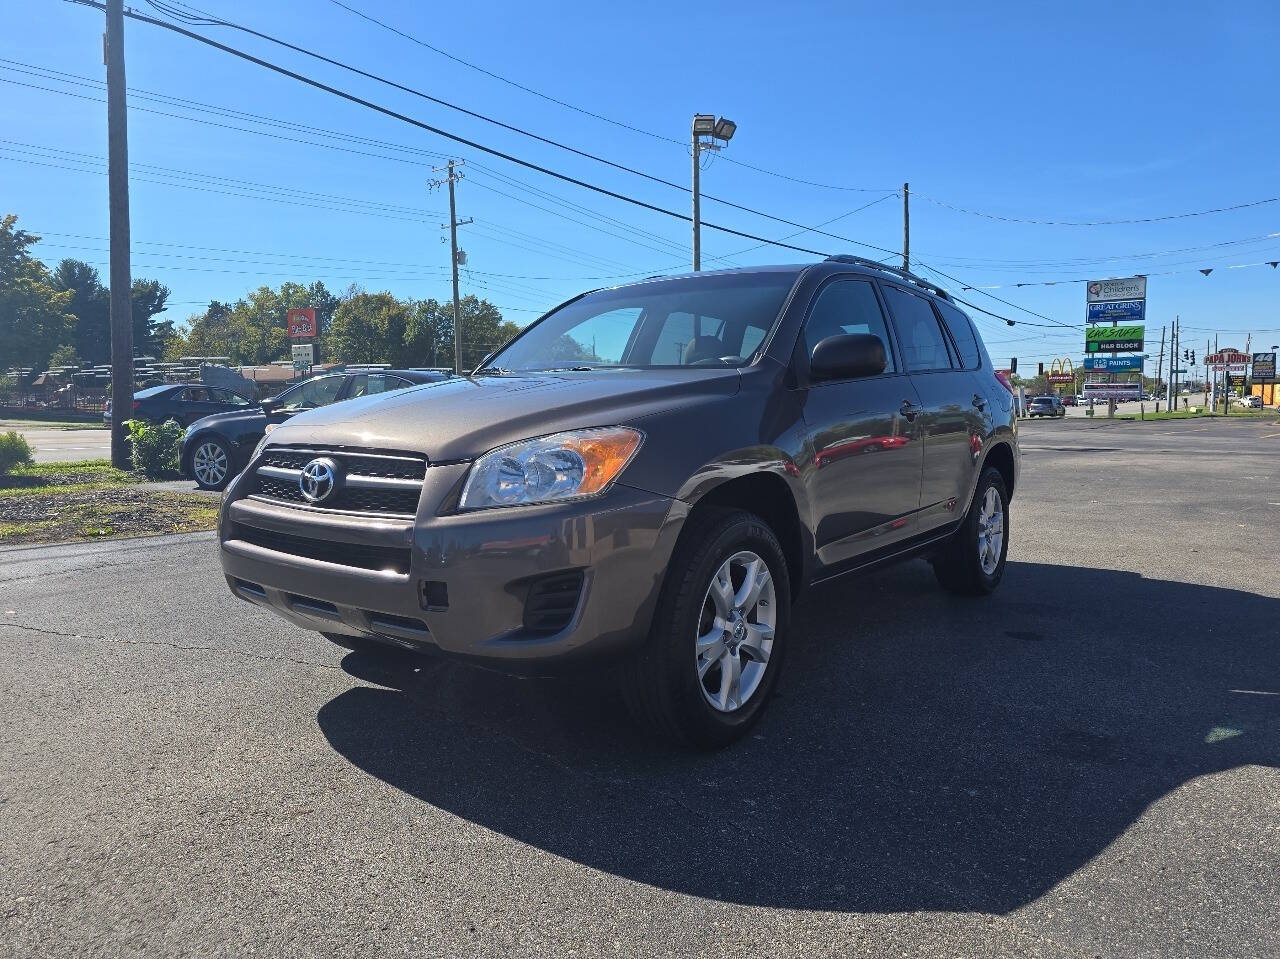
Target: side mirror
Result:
[268, 404]
[847, 356]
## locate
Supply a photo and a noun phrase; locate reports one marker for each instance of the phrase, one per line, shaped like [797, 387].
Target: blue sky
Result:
[1066, 111]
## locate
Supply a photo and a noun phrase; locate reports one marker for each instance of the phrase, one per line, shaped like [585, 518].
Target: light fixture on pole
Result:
[705, 125]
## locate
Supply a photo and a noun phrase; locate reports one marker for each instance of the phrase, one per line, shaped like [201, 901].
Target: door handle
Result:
[979, 402]
[908, 410]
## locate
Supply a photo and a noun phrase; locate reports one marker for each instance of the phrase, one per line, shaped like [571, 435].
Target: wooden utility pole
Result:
[452, 176]
[906, 226]
[121, 281]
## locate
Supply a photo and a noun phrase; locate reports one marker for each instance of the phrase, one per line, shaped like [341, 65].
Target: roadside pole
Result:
[906, 226]
[1160, 369]
[121, 281]
[452, 176]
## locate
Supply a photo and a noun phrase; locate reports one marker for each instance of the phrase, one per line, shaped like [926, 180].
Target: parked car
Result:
[1069, 399]
[1045, 406]
[216, 448]
[635, 482]
[181, 402]
[1250, 402]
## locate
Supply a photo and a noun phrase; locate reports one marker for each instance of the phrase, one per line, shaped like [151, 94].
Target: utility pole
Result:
[118, 191]
[697, 205]
[1159, 369]
[906, 226]
[452, 176]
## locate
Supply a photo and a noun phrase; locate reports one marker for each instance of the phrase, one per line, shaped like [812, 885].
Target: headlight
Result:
[553, 468]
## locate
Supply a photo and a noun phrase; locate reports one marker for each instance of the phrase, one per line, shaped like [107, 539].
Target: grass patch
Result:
[68, 502]
[65, 474]
[1202, 415]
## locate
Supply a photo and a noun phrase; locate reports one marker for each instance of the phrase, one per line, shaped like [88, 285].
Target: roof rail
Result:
[884, 267]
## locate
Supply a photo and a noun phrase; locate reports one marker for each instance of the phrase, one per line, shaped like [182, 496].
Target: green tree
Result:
[91, 304]
[148, 298]
[483, 331]
[35, 318]
[369, 328]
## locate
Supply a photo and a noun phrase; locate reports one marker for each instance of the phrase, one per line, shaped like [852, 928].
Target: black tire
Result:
[661, 684]
[229, 469]
[958, 565]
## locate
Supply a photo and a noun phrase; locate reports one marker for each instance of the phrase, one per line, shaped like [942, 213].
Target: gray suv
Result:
[645, 479]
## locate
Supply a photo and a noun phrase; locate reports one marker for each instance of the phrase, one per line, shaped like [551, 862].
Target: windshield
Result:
[712, 320]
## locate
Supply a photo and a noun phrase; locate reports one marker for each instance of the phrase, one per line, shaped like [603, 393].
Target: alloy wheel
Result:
[990, 531]
[210, 463]
[735, 631]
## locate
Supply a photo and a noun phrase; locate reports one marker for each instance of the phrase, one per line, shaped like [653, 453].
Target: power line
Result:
[283, 71]
[582, 110]
[1142, 219]
[526, 163]
[445, 103]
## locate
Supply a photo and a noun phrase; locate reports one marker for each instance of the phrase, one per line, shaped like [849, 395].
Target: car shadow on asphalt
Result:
[924, 753]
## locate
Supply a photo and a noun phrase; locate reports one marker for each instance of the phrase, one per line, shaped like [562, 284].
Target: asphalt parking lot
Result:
[1085, 764]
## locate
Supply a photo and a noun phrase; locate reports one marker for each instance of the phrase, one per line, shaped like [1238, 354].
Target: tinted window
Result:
[152, 391]
[196, 394]
[923, 347]
[368, 384]
[318, 392]
[699, 320]
[961, 331]
[847, 306]
[227, 397]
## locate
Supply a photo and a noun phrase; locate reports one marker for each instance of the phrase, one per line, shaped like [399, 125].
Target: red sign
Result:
[302, 321]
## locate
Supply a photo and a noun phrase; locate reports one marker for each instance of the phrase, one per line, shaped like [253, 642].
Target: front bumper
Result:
[459, 582]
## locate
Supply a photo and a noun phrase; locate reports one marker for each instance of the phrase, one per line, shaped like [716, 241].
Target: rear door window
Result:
[962, 334]
[923, 346]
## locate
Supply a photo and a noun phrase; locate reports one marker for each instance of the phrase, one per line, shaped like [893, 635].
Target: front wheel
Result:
[972, 562]
[719, 634]
[211, 463]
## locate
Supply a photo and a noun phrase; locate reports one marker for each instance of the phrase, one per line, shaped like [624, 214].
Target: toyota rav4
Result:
[645, 479]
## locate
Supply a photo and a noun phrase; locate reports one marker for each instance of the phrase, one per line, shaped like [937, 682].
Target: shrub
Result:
[155, 448]
[14, 451]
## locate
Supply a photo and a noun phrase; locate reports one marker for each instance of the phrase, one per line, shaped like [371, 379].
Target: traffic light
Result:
[1193, 357]
[1040, 372]
[1013, 364]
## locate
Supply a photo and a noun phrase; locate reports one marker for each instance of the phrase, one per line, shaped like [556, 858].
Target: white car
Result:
[1250, 402]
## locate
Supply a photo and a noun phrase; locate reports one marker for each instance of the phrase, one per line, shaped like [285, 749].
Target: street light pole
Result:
[697, 211]
[705, 124]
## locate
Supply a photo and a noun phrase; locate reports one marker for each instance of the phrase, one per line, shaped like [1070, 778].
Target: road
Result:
[1085, 764]
[60, 446]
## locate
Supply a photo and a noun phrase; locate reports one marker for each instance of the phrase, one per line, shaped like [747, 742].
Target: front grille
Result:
[359, 492]
[551, 602]
[383, 559]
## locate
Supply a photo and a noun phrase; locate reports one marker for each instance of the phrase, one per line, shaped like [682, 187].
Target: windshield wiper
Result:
[492, 371]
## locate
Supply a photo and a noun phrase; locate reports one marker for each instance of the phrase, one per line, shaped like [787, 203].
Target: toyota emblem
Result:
[318, 480]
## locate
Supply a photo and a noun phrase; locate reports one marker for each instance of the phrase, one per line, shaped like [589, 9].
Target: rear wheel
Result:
[972, 563]
[719, 634]
[211, 463]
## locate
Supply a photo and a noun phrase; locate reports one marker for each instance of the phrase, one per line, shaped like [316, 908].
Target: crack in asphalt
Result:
[45, 631]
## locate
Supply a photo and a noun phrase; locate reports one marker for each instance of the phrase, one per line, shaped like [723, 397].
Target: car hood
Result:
[461, 418]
